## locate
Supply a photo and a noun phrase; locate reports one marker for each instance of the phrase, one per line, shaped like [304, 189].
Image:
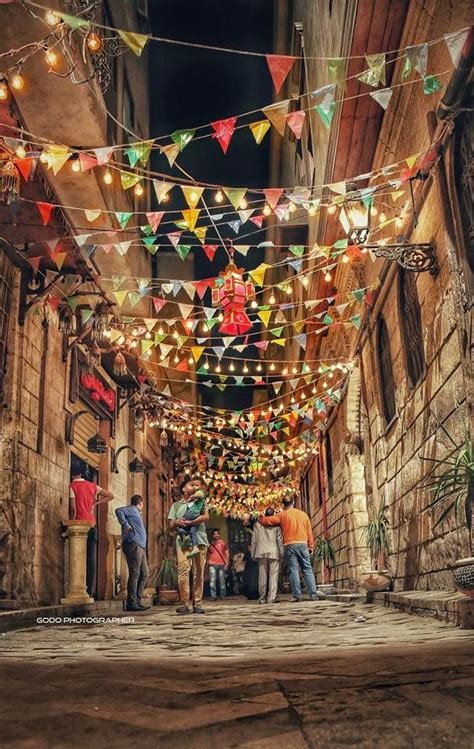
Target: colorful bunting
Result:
[376, 72]
[224, 130]
[154, 219]
[162, 189]
[135, 42]
[192, 194]
[276, 114]
[259, 130]
[382, 96]
[123, 217]
[182, 137]
[431, 84]
[235, 195]
[295, 122]
[45, 210]
[171, 151]
[279, 67]
[273, 195]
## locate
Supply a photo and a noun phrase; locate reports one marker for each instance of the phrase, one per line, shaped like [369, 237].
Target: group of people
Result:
[276, 536]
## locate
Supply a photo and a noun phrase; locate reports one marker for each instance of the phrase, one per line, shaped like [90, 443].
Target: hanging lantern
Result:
[9, 183]
[164, 438]
[231, 293]
[139, 418]
[97, 445]
[100, 325]
[67, 321]
[93, 357]
[120, 365]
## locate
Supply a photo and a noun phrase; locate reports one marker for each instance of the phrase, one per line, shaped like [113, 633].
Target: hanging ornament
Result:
[93, 357]
[100, 326]
[164, 438]
[67, 321]
[231, 293]
[120, 365]
[139, 418]
[9, 183]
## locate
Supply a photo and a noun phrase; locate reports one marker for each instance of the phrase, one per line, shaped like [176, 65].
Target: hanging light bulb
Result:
[20, 152]
[176, 359]
[382, 217]
[254, 304]
[266, 210]
[175, 334]
[293, 399]
[17, 82]
[245, 369]
[288, 290]
[314, 390]
[345, 259]
[294, 370]
[139, 191]
[190, 360]
[161, 330]
[243, 204]
[272, 299]
[51, 57]
[193, 197]
[52, 18]
[220, 317]
[206, 364]
[148, 335]
[164, 198]
[373, 211]
[292, 207]
[3, 91]
[259, 368]
[399, 222]
[285, 371]
[305, 282]
[272, 367]
[218, 368]
[219, 196]
[327, 276]
[108, 179]
[312, 210]
[332, 209]
[75, 166]
[232, 368]
[94, 41]
[204, 326]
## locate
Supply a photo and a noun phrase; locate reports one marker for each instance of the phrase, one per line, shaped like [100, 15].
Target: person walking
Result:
[218, 561]
[185, 563]
[134, 547]
[84, 496]
[266, 548]
[298, 544]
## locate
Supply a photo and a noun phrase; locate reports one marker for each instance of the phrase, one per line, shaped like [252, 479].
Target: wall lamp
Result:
[135, 466]
[95, 444]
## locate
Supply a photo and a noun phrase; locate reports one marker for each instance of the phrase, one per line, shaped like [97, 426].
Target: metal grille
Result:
[387, 382]
[6, 286]
[410, 313]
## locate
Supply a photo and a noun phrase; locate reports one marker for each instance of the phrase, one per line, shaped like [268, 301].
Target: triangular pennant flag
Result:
[200, 233]
[282, 212]
[146, 345]
[297, 249]
[337, 70]
[123, 217]
[259, 130]
[135, 42]
[34, 262]
[258, 274]
[376, 72]
[235, 195]
[103, 155]
[431, 84]
[273, 195]
[128, 180]
[277, 113]
[158, 304]
[56, 156]
[257, 220]
[87, 162]
[382, 96]
[235, 225]
[455, 43]
[143, 149]
[295, 122]
[25, 167]
[201, 287]
[191, 216]
[174, 237]
[210, 250]
[224, 130]
[192, 194]
[45, 210]
[183, 250]
[162, 189]
[60, 258]
[327, 106]
[123, 247]
[154, 218]
[197, 352]
[132, 155]
[171, 151]
[185, 310]
[120, 296]
[245, 215]
[74, 22]
[182, 138]
[279, 67]
[242, 248]
[264, 316]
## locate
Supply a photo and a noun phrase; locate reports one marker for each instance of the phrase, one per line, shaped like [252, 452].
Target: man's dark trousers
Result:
[91, 561]
[137, 571]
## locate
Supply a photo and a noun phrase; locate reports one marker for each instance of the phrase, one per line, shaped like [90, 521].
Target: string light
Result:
[272, 299]
[139, 191]
[254, 304]
[327, 276]
[93, 41]
[399, 222]
[312, 210]
[160, 330]
[267, 210]
[383, 217]
[243, 204]
[305, 282]
[259, 368]
[272, 366]
[3, 91]
[374, 211]
[52, 18]
[20, 152]
[232, 368]
[206, 364]
[108, 178]
[294, 370]
[75, 166]
[219, 196]
[17, 82]
[332, 209]
[164, 198]
[218, 369]
[288, 289]
[190, 360]
[245, 369]
[345, 259]
[193, 197]
[51, 57]
[292, 207]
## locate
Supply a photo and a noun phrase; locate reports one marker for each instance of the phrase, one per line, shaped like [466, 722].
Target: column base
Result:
[78, 599]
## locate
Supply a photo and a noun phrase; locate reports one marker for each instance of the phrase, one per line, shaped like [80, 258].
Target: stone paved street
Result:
[289, 675]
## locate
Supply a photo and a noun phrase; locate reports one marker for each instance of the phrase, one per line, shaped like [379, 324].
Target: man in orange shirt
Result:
[298, 544]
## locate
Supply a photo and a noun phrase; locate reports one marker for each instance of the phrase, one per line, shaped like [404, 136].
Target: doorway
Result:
[89, 473]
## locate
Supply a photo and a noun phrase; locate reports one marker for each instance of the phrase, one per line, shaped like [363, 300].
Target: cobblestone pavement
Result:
[260, 677]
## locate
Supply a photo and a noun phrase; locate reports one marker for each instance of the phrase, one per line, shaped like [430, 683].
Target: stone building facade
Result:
[40, 385]
[411, 371]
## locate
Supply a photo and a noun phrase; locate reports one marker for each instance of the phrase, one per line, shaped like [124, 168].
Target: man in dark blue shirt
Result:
[134, 548]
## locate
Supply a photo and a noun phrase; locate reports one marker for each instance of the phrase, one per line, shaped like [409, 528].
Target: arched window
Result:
[329, 470]
[410, 316]
[387, 382]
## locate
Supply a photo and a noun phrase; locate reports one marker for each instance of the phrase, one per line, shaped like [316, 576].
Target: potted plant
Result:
[377, 579]
[452, 485]
[164, 579]
[324, 553]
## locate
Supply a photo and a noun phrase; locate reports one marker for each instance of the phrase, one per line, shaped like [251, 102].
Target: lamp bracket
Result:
[417, 258]
[114, 456]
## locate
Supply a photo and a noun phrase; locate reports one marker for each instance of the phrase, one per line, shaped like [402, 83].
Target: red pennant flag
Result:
[34, 262]
[258, 220]
[52, 247]
[210, 250]
[158, 304]
[45, 210]
[53, 302]
[24, 166]
[224, 130]
[182, 366]
[279, 67]
[201, 287]
[154, 219]
[295, 122]
[273, 195]
[87, 162]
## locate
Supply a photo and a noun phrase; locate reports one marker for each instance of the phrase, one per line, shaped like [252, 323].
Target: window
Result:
[329, 471]
[387, 383]
[410, 315]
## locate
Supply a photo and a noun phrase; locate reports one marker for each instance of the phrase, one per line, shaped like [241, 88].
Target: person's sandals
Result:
[183, 610]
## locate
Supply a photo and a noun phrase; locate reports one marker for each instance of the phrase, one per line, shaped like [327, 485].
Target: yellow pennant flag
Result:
[276, 113]
[171, 151]
[299, 325]
[259, 130]
[128, 180]
[258, 273]
[264, 316]
[197, 352]
[91, 215]
[411, 160]
[120, 297]
[56, 156]
[279, 341]
[136, 42]
[191, 216]
[60, 258]
[200, 233]
[397, 194]
[192, 195]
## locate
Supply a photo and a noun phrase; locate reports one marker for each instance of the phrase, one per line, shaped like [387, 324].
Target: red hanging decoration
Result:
[231, 293]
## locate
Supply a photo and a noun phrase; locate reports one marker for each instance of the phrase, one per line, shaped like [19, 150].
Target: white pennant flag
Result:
[382, 96]
[455, 43]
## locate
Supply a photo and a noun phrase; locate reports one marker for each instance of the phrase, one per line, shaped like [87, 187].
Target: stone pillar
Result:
[77, 534]
[356, 516]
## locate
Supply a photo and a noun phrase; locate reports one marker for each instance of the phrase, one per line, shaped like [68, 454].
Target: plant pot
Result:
[375, 581]
[167, 596]
[463, 576]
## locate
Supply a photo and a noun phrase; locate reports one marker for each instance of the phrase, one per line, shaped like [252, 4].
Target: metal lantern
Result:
[9, 183]
[97, 445]
[67, 321]
[358, 215]
[231, 293]
[136, 466]
[100, 326]
[120, 365]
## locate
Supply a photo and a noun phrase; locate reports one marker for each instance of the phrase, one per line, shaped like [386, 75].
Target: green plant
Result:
[166, 574]
[325, 552]
[453, 487]
[377, 537]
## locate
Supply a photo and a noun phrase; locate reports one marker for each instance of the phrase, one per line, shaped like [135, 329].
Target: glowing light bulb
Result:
[206, 365]
[160, 330]
[288, 290]
[190, 360]
[399, 222]
[204, 326]
[20, 151]
[312, 211]
[3, 91]
[165, 198]
[272, 368]
[108, 179]
[51, 57]
[94, 41]
[345, 258]
[327, 276]
[245, 369]
[139, 191]
[189, 324]
[314, 391]
[294, 370]
[272, 299]
[243, 204]
[221, 317]
[254, 304]
[148, 335]
[176, 359]
[219, 196]
[232, 368]
[267, 210]
[17, 82]
[193, 197]
[76, 166]
[374, 211]
[218, 368]
[305, 282]
[292, 208]
[383, 217]
[285, 371]
[332, 210]
[52, 18]
[175, 334]
[259, 368]
[293, 399]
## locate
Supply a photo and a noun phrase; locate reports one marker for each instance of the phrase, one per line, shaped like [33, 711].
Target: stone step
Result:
[451, 607]
[28, 617]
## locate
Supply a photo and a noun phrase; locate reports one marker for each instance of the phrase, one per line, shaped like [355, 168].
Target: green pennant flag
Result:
[148, 241]
[183, 250]
[327, 319]
[326, 111]
[128, 180]
[358, 294]
[73, 21]
[146, 229]
[123, 218]
[336, 70]
[355, 320]
[86, 315]
[202, 370]
[431, 84]
[143, 150]
[159, 337]
[297, 249]
[134, 298]
[135, 42]
[73, 301]
[146, 346]
[341, 244]
[277, 331]
[132, 155]
[235, 195]
[182, 137]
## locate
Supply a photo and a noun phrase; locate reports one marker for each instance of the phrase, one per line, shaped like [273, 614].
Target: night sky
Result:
[191, 87]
